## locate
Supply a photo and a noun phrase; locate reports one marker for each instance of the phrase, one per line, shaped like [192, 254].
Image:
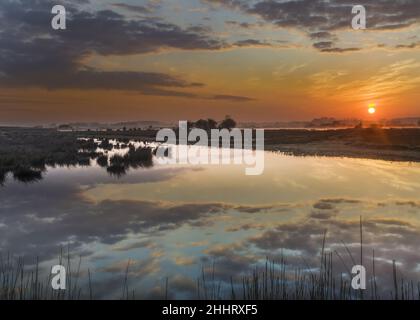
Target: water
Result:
[173, 222]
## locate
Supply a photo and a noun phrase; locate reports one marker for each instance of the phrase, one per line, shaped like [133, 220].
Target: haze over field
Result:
[167, 60]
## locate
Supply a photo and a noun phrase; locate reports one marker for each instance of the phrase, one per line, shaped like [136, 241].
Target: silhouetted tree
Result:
[212, 124]
[228, 123]
[201, 124]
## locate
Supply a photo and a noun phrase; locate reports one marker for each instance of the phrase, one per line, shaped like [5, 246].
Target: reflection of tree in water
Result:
[27, 165]
[27, 175]
[135, 158]
[2, 176]
[102, 161]
[116, 170]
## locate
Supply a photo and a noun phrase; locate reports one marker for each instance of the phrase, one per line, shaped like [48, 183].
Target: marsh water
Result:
[170, 224]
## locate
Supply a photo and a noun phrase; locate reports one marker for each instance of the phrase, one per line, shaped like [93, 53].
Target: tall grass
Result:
[274, 280]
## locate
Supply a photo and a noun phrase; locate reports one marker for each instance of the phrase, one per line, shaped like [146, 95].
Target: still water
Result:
[171, 223]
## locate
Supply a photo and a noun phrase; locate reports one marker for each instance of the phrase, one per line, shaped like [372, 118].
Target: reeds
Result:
[274, 280]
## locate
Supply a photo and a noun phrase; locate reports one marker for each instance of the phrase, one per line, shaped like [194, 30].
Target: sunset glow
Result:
[211, 59]
[372, 109]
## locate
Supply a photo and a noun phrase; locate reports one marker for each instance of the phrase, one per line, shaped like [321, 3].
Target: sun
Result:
[372, 109]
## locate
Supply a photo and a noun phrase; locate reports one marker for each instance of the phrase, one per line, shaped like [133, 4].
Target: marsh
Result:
[171, 228]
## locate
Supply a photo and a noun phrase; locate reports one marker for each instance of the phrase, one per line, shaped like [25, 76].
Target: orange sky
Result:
[255, 72]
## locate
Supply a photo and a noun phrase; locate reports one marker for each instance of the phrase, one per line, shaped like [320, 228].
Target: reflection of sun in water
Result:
[372, 108]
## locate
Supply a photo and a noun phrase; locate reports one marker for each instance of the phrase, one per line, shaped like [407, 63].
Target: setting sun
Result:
[372, 109]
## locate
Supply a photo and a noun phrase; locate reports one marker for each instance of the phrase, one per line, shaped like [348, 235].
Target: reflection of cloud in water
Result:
[170, 221]
[259, 234]
[286, 179]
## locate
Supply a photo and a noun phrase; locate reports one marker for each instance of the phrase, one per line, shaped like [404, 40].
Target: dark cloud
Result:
[232, 4]
[252, 43]
[320, 19]
[32, 54]
[224, 261]
[245, 25]
[321, 205]
[340, 201]
[321, 35]
[328, 46]
[328, 204]
[133, 8]
[336, 14]
[408, 203]
[135, 245]
[412, 45]
[255, 209]
[231, 98]
[323, 215]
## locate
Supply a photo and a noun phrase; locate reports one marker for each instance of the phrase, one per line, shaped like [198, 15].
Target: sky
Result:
[169, 60]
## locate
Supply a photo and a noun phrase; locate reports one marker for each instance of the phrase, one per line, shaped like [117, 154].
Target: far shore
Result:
[392, 144]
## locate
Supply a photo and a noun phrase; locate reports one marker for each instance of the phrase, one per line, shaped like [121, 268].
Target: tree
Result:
[202, 124]
[207, 125]
[212, 124]
[228, 123]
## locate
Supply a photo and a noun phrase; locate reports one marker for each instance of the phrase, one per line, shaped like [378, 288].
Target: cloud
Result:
[336, 14]
[328, 46]
[34, 55]
[134, 268]
[321, 19]
[245, 25]
[321, 35]
[133, 8]
[301, 241]
[252, 43]
[223, 261]
[28, 216]
[323, 206]
[412, 45]
[231, 98]
[134, 245]
[183, 284]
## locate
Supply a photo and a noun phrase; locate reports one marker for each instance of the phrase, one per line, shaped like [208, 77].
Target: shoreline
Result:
[402, 145]
[394, 144]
